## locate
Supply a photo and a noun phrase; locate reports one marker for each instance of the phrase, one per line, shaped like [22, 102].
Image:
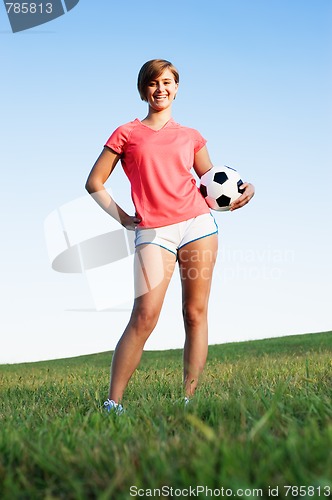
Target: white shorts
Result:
[176, 236]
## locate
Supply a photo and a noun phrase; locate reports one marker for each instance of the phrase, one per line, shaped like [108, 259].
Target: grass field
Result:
[260, 426]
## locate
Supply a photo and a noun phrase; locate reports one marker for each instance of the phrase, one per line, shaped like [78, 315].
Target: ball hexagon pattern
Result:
[220, 186]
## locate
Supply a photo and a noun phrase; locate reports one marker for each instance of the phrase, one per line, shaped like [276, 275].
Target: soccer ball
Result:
[220, 186]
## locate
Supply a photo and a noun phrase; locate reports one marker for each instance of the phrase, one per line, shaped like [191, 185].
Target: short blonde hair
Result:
[151, 70]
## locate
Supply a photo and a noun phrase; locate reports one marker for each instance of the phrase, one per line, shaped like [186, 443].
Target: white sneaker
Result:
[111, 405]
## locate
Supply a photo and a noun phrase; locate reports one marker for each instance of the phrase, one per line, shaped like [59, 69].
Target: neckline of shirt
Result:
[171, 120]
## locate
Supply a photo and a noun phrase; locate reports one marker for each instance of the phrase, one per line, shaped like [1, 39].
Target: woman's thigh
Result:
[196, 263]
[153, 269]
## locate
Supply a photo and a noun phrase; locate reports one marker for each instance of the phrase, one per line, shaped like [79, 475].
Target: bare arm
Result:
[99, 174]
[202, 162]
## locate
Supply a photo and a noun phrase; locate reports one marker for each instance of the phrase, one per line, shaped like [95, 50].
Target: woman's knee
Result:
[144, 319]
[194, 315]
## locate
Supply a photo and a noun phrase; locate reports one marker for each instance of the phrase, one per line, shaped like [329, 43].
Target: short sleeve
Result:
[198, 139]
[119, 138]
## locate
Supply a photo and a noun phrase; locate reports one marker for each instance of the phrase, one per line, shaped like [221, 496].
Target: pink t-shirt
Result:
[157, 164]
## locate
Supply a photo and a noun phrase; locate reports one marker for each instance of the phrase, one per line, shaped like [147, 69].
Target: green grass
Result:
[262, 417]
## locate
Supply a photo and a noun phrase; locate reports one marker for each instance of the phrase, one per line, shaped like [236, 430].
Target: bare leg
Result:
[196, 261]
[153, 270]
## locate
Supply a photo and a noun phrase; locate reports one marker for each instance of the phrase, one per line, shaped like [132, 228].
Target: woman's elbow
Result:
[90, 185]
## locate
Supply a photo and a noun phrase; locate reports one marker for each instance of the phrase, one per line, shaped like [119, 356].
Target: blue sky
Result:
[255, 79]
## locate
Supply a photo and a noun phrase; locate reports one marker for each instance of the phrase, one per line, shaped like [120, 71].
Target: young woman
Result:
[172, 224]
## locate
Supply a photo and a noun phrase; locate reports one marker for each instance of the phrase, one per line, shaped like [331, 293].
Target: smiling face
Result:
[161, 91]
[151, 72]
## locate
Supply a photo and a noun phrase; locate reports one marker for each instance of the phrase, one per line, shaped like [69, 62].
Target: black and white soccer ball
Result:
[220, 186]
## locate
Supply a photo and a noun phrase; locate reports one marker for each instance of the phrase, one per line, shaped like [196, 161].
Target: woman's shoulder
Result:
[192, 132]
[128, 126]
[120, 136]
[124, 131]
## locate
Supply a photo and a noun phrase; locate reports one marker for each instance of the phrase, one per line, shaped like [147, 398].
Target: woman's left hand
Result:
[249, 192]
